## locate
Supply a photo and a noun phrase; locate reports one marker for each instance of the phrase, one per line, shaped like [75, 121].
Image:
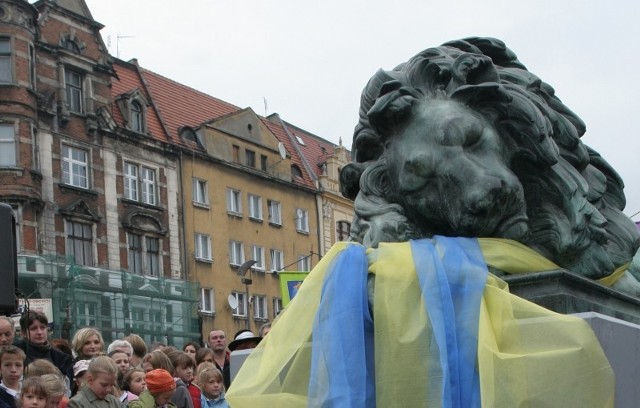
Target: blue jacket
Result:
[219, 402]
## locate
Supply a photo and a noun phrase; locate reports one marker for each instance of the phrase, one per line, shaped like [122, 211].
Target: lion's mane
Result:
[574, 199]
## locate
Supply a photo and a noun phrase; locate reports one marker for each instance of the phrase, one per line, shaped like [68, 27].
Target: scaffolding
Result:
[116, 302]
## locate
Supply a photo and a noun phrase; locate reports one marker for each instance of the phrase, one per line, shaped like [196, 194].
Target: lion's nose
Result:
[484, 195]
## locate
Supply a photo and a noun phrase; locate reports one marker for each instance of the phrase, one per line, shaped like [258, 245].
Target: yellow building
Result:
[323, 161]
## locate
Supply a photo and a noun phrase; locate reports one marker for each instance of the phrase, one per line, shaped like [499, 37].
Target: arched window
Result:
[71, 46]
[295, 171]
[137, 117]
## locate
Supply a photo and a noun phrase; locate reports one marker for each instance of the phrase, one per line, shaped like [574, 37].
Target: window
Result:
[140, 179]
[304, 263]
[236, 253]
[135, 253]
[200, 193]
[7, 145]
[131, 181]
[203, 247]
[86, 314]
[250, 158]
[73, 87]
[207, 304]
[236, 154]
[138, 319]
[137, 117]
[152, 257]
[277, 260]
[241, 310]
[71, 46]
[263, 162]
[343, 230]
[260, 310]
[277, 306]
[143, 260]
[80, 242]
[295, 171]
[258, 256]
[32, 66]
[233, 201]
[148, 185]
[275, 212]
[255, 207]
[6, 69]
[302, 220]
[75, 167]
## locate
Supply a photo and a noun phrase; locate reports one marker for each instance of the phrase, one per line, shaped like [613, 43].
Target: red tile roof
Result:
[180, 105]
[315, 149]
[280, 133]
[129, 80]
[177, 105]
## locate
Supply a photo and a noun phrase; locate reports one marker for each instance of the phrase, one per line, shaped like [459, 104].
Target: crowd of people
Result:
[40, 373]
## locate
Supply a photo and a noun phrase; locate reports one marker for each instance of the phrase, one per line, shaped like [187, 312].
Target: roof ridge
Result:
[303, 131]
[188, 87]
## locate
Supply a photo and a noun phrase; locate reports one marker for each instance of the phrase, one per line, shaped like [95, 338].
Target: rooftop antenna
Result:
[118, 37]
[264, 99]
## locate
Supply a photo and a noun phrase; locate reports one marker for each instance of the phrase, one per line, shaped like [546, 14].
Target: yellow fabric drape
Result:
[527, 356]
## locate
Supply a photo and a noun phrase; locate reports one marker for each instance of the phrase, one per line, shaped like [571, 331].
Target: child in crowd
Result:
[101, 377]
[79, 375]
[155, 360]
[33, 393]
[41, 367]
[204, 355]
[160, 389]
[194, 388]
[121, 359]
[55, 388]
[212, 386]
[11, 368]
[133, 382]
[183, 374]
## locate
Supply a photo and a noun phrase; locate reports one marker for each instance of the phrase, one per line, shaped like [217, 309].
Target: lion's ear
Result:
[392, 107]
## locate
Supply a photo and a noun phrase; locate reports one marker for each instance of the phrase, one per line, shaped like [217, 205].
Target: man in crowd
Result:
[7, 331]
[221, 356]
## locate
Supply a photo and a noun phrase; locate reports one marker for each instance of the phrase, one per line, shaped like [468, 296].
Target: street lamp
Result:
[242, 270]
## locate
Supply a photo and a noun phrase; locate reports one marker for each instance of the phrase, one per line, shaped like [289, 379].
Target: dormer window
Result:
[133, 106]
[295, 171]
[137, 117]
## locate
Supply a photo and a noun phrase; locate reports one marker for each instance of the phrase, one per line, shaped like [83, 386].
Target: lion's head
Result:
[462, 140]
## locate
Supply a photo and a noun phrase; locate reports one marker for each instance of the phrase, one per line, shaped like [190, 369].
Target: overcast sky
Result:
[310, 59]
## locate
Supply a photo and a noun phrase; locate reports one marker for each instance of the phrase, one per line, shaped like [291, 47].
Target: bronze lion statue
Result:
[462, 140]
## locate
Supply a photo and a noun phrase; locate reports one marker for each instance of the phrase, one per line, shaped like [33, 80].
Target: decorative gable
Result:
[80, 209]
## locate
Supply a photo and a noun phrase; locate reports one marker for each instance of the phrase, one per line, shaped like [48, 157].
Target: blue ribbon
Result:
[452, 275]
[342, 357]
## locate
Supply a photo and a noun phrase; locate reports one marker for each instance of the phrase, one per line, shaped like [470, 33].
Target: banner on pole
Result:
[290, 282]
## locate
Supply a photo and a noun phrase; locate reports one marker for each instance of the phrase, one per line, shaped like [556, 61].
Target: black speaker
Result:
[8, 260]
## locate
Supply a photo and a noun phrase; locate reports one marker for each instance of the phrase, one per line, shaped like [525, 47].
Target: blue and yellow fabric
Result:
[444, 333]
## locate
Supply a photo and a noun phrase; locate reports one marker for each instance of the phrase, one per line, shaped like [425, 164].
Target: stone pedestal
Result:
[565, 292]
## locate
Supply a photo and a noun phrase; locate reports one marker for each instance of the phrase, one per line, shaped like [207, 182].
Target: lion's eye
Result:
[472, 136]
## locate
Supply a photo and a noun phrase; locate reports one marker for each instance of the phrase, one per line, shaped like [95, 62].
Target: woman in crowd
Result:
[34, 326]
[87, 343]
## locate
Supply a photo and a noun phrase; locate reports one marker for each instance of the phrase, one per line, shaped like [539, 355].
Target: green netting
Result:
[117, 302]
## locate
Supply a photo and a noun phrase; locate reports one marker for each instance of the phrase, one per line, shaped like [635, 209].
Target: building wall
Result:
[332, 205]
[222, 226]
[91, 293]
